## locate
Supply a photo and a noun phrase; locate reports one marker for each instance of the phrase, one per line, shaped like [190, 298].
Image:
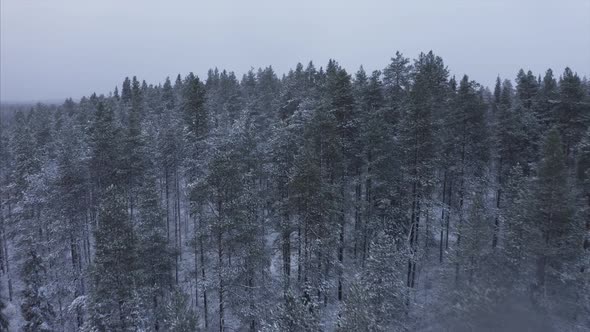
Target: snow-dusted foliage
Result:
[401, 200]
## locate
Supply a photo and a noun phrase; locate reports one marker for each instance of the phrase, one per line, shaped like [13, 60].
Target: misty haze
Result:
[310, 166]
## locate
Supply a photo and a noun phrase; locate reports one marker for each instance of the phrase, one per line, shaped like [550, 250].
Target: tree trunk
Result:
[286, 256]
[221, 285]
[9, 276]
[498, 200]
[448, 214]
[357, 214]
[461, 203]
[167, 204]
[341, 259]
[414, 218]
[369, 206]
[196, 253]
[220, 269]
[175, 216]
[299, 260]
[179, 214]
[442, 217]
[342, 228]
[205, 303]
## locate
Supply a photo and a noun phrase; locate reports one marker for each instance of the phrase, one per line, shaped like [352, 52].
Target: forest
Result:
[404, 199]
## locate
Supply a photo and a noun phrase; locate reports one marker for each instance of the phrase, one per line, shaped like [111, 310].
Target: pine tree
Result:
[584, 180]
[116, 94]
[168, 95]
[195, 114]
[263, 102]
[343, 150]
[469, 144]
[571, 110]
[475, 248]
[25, 154]
[4, 322]
[35, 307]
[545, 104]
[294, 314]
[132, 158]
[515, 232]
[178, 316]
[112, 294]
[526, 88]
[154, 258]
[375, 136]
[552, 213]
[126, 91]
[70, 205]
[105, 143]
[382, 289]
[397, 83]
[418, 132]
[517, 134]
[497, 93]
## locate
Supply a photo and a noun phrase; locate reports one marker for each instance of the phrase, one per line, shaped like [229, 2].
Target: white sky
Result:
[53, 49]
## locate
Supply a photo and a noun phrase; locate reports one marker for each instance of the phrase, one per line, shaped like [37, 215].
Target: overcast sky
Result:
[55, 49]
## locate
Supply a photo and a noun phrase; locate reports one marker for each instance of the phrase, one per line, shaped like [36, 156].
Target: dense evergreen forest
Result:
[399, 200]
